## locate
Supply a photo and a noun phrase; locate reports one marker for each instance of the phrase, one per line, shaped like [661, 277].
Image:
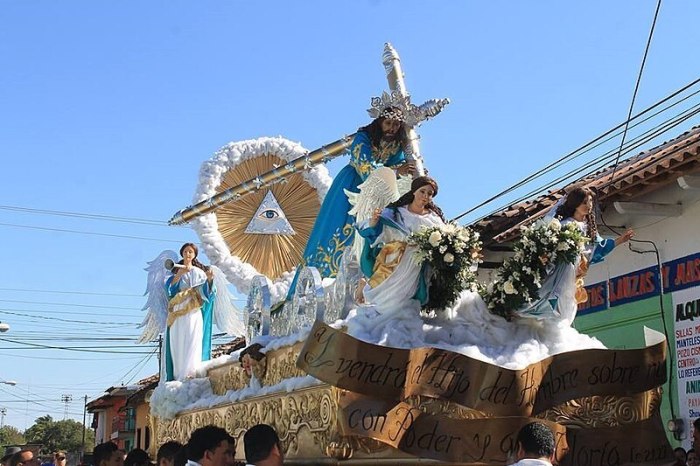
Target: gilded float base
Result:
[308, 419]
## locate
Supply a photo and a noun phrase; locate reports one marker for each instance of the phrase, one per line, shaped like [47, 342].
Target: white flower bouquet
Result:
[542, 246]
[452, 253]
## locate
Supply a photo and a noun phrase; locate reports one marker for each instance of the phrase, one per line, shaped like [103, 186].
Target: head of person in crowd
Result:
[107, 454]
[692, 458]
[60, 458]
[535, 441]
[24, 458]
[262, 446]
[180, 457]
[680, 455]
[211, 446]
[9, 451]
[166, 453]
[137, 457]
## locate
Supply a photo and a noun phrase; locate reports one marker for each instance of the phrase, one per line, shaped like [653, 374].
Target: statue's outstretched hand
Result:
[375, 217]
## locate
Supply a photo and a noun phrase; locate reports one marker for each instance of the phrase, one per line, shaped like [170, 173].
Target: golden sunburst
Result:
[271, 254]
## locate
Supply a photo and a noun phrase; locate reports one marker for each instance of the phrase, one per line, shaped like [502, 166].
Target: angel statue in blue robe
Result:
[381, 143]
[184, 299]
[563, 288]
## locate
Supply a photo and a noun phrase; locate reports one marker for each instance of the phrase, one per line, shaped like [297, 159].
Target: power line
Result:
[66, 348]
[68, 320]
[636, 86]
[604, 159]
[44, 303]
[62, 312]
[83, 215]
[33, 290]
[585, 147]
[51, 358]
[93, 233]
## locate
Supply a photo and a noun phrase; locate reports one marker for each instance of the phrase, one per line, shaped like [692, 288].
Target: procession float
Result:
[369, 338]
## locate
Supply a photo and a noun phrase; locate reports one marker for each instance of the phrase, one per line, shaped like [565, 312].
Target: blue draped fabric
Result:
[369, 253]
[334, 227]
[208, 293]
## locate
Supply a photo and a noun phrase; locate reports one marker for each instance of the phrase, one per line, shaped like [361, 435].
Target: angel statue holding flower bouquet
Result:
[184, 299]
[544, 279]
[411, 257]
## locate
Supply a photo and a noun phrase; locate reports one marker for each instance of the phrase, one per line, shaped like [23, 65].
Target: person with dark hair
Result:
[9, 452]
[191, 292]
[696, 433]
[396, 282]
[137, 457]
[107, 454]
[180, 458]
[381, 143]
[210, 446]
[262, 446]
[166, 453]
[692, 458]
[681, 456]
[535, 445]
[563, 289]
[24, 458]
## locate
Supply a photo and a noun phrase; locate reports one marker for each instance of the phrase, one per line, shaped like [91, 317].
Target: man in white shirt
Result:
[210, 446]
[262, 446]
[535, 445]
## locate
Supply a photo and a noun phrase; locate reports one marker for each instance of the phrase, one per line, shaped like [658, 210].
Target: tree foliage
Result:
[11, 436]
[58, 435]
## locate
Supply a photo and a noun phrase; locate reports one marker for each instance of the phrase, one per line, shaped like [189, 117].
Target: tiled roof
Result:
[633, 177]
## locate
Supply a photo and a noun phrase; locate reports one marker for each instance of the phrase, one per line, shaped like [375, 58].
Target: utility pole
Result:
[3, 411]
[66, 399]
[82, 448]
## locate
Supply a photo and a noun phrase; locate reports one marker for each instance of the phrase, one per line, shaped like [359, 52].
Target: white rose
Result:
[448, 258]
[563, 246]
[434, 238]
[508, 287]
[555, 224]
[449, 228]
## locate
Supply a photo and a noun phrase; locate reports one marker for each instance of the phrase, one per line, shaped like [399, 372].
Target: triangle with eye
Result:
[269, 219]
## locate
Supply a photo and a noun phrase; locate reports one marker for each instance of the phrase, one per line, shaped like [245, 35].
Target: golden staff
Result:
[278, 175]
[394, 74]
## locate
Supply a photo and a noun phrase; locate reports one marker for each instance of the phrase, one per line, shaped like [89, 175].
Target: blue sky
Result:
[110, 108]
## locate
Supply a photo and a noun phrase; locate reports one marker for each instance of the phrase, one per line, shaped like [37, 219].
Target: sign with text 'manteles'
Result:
[500, 400]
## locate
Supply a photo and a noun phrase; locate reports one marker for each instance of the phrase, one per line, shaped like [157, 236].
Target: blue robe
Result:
[334, 226]
[207, 292]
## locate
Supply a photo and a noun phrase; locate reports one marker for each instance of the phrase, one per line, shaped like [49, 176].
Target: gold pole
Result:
[276, 175]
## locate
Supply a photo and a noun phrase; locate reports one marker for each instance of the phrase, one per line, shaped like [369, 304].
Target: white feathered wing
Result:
[378, 190]
[156, 306]
[229, 318]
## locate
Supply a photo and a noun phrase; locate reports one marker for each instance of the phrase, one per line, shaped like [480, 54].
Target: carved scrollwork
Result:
[305, 420]
[605, 411]
[436, 406]
[282, 365]
[228, 377]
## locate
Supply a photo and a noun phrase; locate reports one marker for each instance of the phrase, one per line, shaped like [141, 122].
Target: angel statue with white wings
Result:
[184, 299]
